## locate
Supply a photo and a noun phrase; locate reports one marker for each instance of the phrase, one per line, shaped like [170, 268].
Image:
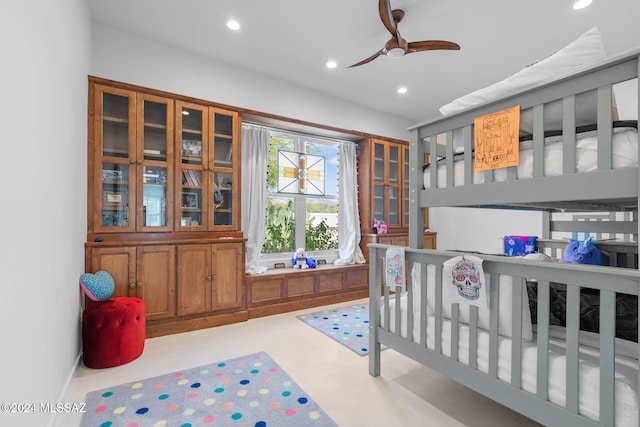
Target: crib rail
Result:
[387, 323]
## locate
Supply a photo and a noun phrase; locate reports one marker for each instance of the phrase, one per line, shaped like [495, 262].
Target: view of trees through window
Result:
[301, 220]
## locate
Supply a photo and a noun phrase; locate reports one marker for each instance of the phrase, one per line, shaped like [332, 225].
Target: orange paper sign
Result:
[496, 139]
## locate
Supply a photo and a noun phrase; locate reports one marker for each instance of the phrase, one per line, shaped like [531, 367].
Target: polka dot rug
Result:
[347, 325]
[249, 391]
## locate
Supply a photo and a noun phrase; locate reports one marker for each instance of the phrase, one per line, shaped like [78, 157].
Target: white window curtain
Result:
[255, 152]
[348, 214]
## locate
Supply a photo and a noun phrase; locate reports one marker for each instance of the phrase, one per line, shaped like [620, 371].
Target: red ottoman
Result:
[113, 332]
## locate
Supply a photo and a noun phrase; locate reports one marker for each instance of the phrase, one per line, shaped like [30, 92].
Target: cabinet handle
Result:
[132, 285]
[214, 277]
[209, 277]
[139, 285]
[132, 161]
[139, 162]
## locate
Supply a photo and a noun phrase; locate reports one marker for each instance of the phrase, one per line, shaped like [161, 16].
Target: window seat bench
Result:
[282, 290]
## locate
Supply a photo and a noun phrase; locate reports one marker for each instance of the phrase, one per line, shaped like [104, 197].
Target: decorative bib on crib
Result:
[394, 268]
[464, 280]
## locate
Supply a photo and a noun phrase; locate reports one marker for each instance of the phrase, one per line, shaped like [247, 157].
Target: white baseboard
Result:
[57, 418]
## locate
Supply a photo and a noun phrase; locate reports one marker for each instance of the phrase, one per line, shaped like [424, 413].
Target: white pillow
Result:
[586, 50]
[505, 323]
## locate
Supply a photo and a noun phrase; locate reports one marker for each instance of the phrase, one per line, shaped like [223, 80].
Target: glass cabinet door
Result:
[192, 122]
[221, 153]
[154, 159]
[393, 182]
[379, 189]
[115, 195]
[222, 199]
[378, 163]
[387, 197]
[115, 175]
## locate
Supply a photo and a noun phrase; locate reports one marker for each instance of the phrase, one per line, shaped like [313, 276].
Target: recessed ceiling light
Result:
[332, 64]
[233, 24]
[581, 4]
[402, 89]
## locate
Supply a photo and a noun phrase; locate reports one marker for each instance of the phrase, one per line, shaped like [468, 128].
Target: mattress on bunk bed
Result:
[624, 155]
[626, 402]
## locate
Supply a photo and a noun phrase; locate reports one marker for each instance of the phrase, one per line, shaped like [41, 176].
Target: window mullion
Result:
[301, 205]
[301, 220]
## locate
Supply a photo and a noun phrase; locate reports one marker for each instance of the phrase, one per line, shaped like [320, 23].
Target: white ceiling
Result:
[293, 39]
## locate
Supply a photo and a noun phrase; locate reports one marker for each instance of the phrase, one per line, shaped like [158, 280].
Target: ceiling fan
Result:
[397, 46]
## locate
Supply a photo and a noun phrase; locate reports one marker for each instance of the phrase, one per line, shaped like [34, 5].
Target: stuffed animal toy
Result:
[583, 252]
[300, 260]
[380, 226]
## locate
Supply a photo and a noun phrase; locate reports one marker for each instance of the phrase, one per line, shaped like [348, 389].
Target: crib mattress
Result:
[624, 155]
[626, 406]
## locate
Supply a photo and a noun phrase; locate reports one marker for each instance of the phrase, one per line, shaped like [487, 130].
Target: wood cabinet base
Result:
[177, 325]
[285, 307]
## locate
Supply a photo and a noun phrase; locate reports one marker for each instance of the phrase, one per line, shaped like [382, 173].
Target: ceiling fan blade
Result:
[369, 59]
[431, 45]
[387, 17]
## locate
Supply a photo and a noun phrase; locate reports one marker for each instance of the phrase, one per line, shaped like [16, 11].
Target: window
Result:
[302, 199]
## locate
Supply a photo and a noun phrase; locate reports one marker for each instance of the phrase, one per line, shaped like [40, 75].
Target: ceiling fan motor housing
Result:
[396, 47]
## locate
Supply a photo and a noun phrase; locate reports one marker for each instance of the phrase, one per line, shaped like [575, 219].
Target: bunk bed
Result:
[516, 355]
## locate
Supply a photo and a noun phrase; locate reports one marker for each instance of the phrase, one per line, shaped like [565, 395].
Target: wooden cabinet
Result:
[145, 272]
[210, 277]
[163, 213]
[206, 179]
[383, 193]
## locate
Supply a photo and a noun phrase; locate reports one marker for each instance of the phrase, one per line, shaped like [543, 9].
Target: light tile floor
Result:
[406, 394]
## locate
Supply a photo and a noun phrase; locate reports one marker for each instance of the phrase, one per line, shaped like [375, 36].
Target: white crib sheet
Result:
[624, 155]
[626, 406]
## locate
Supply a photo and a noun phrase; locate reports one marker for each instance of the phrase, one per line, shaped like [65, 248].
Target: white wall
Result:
[131, 59]
[45, 49]
[481, 230]
[626, 94]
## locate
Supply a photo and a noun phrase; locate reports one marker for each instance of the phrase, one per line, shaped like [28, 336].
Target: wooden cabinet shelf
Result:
[115, 120]
[159, 126]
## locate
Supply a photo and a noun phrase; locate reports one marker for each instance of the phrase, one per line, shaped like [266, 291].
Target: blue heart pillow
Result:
[97, 286]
